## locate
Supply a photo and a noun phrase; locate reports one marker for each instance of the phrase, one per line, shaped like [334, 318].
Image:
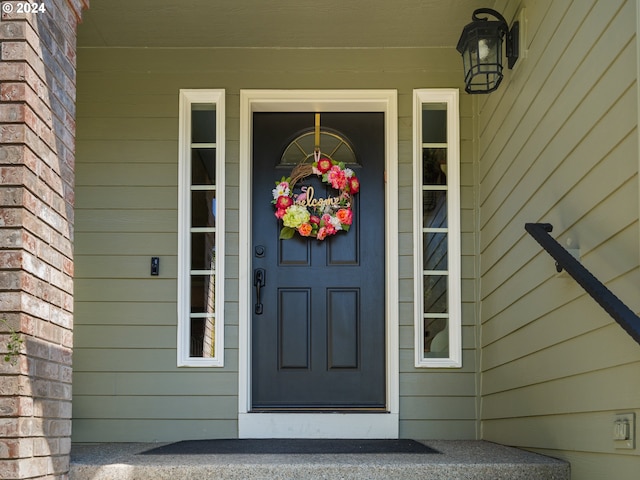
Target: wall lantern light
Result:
[481, 48]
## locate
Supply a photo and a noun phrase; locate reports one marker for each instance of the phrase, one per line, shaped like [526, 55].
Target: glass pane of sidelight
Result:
[203, 208]
[203, 166]
[203, 293]
[203, 251]
[434, 166]
[202, 340]
[202, 332]
[203, 123]
[435, 251]
[435, 294]
[434, 208]
[434, 123]
[436, 337]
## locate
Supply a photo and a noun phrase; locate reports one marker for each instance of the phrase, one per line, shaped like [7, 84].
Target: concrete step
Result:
[455, 460]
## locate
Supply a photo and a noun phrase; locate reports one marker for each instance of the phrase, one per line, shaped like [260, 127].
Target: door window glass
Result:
[332, 145]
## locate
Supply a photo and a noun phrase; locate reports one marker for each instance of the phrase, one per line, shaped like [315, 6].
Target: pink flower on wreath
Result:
[330, 228]
[283, 202]
[280, 213]
[314, 220]
[345, 215]
[337, 178]
[322, 233]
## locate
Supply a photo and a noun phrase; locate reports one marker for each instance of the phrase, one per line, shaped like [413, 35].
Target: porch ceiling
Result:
[276, 23]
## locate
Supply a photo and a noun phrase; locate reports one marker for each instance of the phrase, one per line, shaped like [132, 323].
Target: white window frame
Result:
[450, 98]
[187, 98]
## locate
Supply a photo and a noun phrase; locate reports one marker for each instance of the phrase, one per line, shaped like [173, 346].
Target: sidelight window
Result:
[201, 228]
[436, 206]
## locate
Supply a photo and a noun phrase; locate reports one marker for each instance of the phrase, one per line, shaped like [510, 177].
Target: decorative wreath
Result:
[310, 216]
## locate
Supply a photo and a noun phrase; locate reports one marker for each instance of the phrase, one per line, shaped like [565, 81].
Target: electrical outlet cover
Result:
[624, 431]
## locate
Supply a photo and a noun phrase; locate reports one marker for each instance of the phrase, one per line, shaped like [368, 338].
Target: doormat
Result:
[289, 446]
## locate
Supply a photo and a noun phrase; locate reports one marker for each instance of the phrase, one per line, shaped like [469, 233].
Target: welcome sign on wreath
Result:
[312, 216]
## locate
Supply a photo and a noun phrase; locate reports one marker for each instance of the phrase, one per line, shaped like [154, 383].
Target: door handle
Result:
[258, 282]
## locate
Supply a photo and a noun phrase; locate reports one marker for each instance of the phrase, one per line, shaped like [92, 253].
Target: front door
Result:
[318, 335]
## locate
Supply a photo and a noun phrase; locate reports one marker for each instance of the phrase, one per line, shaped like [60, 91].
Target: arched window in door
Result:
[332, 144]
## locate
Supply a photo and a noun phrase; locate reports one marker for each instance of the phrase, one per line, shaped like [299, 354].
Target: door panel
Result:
[319, 342]
[343, 323]
[294, 308]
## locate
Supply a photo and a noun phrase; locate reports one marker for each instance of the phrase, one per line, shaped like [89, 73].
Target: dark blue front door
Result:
[318, 343]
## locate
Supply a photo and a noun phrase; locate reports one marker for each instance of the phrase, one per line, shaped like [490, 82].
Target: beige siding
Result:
[558, 143]
[126, 385]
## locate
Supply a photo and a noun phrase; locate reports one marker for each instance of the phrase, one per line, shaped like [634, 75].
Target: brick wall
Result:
[37, 132]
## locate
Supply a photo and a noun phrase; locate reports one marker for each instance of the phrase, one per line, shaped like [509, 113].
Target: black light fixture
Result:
[481, 47]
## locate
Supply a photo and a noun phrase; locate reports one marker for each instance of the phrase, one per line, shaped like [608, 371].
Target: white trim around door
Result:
[320, 425]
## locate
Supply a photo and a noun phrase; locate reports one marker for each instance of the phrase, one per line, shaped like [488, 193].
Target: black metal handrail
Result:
[622, 314]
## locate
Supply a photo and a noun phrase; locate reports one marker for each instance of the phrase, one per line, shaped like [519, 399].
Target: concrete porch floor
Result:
[456, 460]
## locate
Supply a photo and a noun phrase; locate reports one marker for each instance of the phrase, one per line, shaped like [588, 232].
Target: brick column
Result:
[37, 135]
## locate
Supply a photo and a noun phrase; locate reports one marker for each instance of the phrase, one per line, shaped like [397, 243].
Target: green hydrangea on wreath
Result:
[309, 216]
